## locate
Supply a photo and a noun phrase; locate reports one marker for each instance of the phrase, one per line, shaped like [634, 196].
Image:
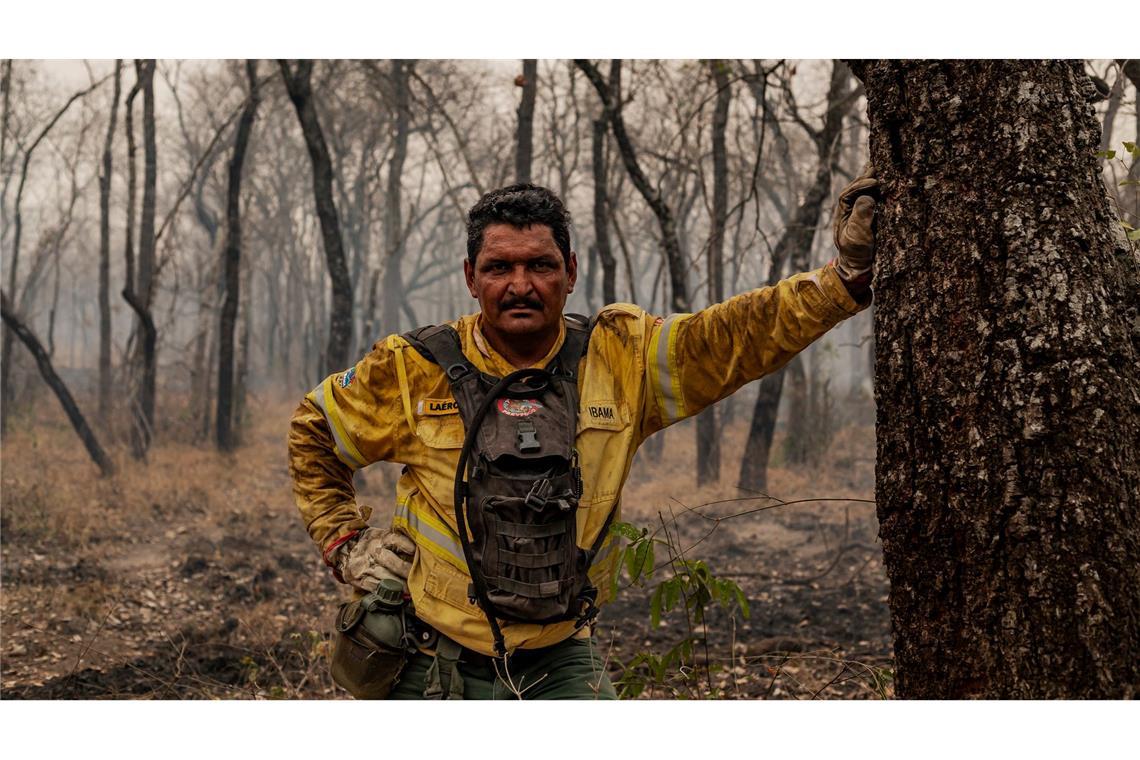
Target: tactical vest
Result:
[518, 484]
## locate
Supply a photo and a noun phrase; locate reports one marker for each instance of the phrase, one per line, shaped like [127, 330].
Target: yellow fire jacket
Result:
[641, 374]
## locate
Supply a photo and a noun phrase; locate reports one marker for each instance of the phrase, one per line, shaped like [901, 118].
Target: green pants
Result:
[572, 669]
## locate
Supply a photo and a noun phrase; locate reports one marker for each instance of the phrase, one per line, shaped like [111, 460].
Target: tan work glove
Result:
[374, 555]
[854, 214]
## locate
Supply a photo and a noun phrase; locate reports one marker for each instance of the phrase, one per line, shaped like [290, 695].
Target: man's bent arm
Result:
[350, 420]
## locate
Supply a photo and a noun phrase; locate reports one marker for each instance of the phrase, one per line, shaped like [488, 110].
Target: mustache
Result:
[526, 303]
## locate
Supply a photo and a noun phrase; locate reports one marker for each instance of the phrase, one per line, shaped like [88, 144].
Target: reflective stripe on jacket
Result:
[642, 374]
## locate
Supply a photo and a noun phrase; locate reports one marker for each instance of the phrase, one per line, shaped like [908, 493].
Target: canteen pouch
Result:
[368, 649]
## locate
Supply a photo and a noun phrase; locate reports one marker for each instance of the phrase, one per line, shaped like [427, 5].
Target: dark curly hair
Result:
[520, 205]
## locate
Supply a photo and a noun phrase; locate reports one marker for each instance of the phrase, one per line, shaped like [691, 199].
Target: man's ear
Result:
[572, 271]
[469, 276]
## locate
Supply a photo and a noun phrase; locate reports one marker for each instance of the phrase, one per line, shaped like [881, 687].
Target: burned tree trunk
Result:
[17, 233]
[605, 253]
[21, 331]
[298, 82]
[524, 153]
[231, 265]
[393, 211]
[105, 256]
[610, 95]
[139, 290]
[708, 431]
[795, 247]
[1008, 333]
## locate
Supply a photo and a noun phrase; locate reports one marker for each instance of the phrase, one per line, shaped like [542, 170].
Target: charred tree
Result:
[393, 209]
[708, 431]
[610, 95]
[298, 82]
[231, 268]
[602, 245]
[794, 247]
[524, 153]
[1008, 333]
[17, 233]
[28, 338]
[105, 254]
[139, 288]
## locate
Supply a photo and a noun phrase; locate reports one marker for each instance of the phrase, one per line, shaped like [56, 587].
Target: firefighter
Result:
[636, 375]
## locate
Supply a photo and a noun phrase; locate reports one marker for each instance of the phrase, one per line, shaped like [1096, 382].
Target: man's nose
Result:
[520, 283]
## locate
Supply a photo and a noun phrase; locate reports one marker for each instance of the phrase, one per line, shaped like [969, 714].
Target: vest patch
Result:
[431, 407]
[518, 407]
[601, 414]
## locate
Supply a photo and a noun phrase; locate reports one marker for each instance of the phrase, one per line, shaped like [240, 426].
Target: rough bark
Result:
[231, 266]
[708, 431]
[1008, 333]
[105, 254]
[298, 82]
[602, 245]
[794, 247]
[21, 331]
[524, 153]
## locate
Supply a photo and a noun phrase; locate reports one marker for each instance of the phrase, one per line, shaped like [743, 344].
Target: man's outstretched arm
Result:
[694, 360]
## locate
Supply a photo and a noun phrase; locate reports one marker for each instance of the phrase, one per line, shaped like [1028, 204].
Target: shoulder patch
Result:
[345, 379]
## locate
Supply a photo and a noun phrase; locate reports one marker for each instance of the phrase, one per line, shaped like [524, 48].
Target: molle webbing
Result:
[517, 485]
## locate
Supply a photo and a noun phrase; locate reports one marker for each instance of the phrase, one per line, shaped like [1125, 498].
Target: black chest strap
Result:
[440, 345]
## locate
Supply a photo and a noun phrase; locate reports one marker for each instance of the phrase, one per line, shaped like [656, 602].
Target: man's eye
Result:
[542, 266]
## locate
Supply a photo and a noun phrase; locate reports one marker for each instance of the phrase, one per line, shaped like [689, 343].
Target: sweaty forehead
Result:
[507, 241]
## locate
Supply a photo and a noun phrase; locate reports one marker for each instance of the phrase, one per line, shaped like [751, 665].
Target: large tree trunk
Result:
[1008, 329]
[231, 265]
[105, 256]
[708, 431]
[524, 153]
[298, 82]
[20, 330]
[393, 212]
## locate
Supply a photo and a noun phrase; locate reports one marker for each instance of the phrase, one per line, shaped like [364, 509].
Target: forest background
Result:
[154, 555]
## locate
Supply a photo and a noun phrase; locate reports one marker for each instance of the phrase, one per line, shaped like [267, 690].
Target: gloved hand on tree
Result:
[373, 555]
[854, 236]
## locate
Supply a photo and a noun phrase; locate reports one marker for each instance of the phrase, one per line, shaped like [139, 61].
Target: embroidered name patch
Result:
[601, 414]
[518, 407]
[431, 407]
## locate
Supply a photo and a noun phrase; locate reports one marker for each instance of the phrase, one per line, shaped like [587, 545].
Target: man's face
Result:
[520, 280]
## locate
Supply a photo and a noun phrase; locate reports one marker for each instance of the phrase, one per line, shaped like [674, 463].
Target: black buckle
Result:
[528, 436]
[457, 372]
[539, 494]
[589, 598]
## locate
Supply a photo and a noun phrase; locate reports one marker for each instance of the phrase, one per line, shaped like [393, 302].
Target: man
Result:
[636, 375]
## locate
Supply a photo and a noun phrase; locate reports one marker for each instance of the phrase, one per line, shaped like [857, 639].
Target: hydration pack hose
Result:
[460, 493]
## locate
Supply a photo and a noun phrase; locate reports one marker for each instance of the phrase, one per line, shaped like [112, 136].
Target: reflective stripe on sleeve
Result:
[430, 532]
[346, 451]
[663, 367]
